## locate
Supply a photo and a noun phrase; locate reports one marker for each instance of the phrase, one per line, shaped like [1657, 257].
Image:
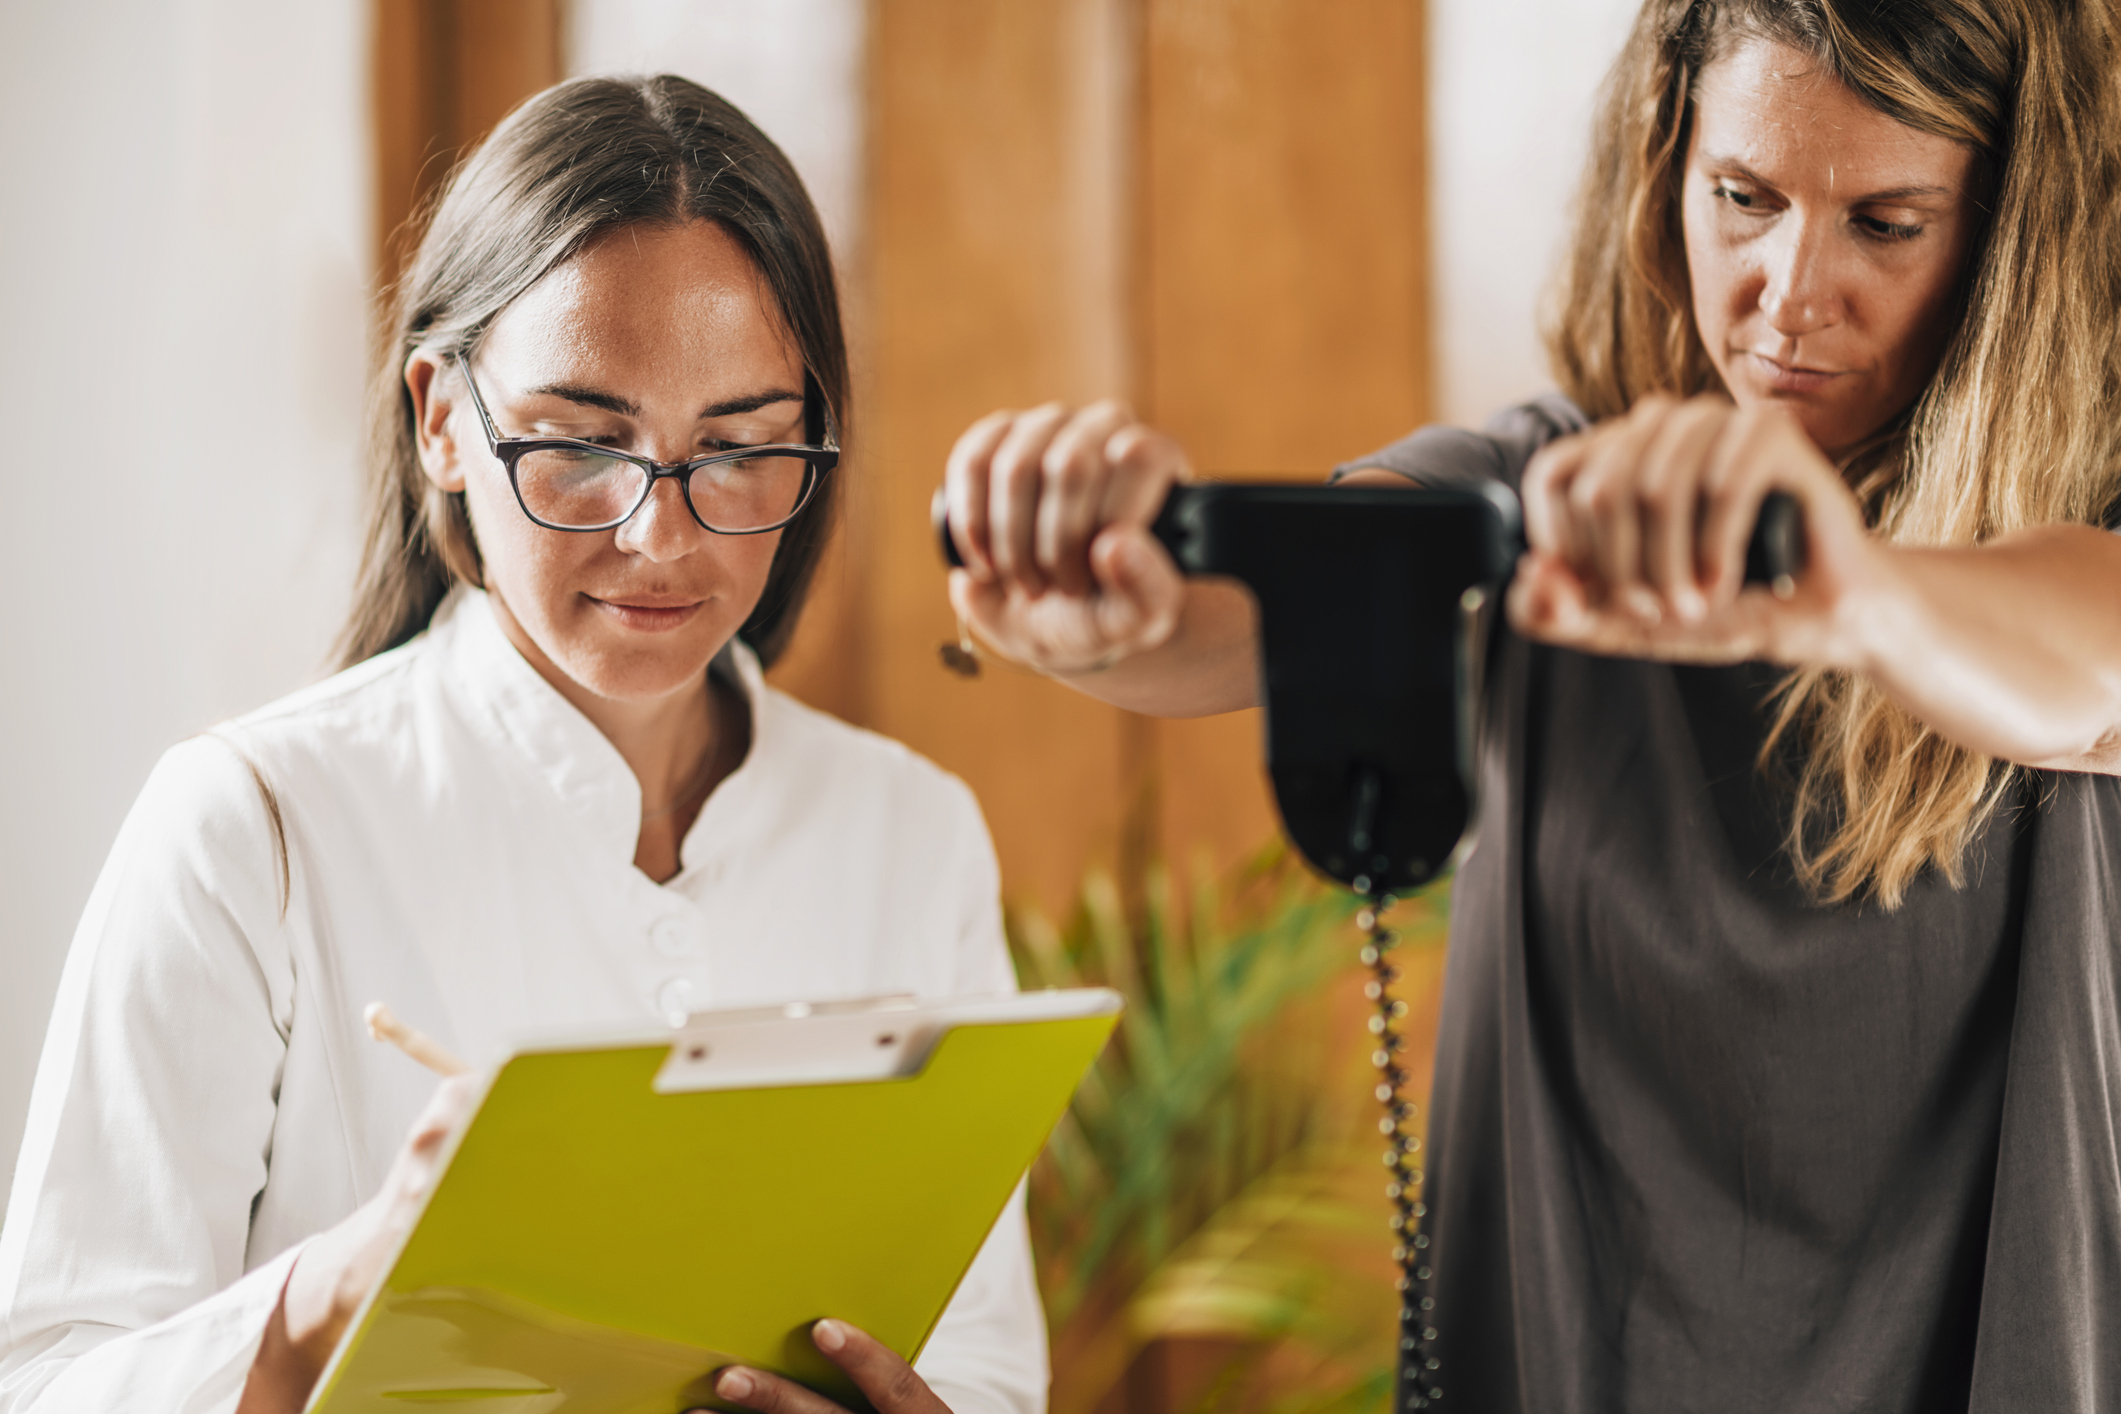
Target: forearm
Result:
[282, 1375]
[1209, 664]
[339, 1266]
[2012, 649]
[315, 1305]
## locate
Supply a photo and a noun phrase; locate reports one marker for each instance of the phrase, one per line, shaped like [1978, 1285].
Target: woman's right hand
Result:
[342, 1264]
[1050, 509]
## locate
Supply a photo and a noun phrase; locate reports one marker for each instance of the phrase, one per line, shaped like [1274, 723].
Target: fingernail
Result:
[733, 1384]
[829, 1335]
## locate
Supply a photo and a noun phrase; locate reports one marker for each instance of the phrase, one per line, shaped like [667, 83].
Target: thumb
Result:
[1544, 596]
[1141, 587]
[979, 601]
[1126, 559]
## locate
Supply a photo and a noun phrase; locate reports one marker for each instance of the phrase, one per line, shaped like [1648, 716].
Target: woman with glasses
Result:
[550, 790]
[1781, 1038]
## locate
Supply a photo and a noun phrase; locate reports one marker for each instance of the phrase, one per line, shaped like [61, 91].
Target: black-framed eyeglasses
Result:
[566, 484]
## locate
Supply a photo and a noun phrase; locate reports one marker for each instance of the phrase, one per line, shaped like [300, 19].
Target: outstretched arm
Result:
[1638, 528]
[1050, 509]
[2012, 649]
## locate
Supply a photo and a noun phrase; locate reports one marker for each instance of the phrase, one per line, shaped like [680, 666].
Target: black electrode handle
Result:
[1374, 605]
[1774, 557]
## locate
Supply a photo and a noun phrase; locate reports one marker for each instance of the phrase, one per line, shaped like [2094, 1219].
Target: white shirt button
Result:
[676, 999]
[671, 938]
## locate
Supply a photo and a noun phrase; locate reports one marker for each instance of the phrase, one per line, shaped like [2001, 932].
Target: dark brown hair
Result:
[2016, 427]
[577, 160]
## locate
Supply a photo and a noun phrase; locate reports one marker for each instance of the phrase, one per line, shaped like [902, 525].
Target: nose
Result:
[1802, 294]
[663, 528]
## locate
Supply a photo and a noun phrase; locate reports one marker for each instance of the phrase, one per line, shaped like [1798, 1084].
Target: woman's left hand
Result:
[1638, 531]
[889, 1382]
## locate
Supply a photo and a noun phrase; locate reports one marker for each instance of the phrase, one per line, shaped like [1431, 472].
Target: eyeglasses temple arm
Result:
[493, 434]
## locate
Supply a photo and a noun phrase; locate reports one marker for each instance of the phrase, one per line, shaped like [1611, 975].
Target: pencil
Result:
[384, 1025]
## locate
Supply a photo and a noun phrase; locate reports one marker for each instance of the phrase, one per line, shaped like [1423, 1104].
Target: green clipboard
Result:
[624, 1216]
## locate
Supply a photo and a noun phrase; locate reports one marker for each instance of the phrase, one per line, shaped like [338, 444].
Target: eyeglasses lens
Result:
[575, 488]
[748, 494]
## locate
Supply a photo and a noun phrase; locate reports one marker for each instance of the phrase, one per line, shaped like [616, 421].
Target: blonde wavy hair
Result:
[2019, 425]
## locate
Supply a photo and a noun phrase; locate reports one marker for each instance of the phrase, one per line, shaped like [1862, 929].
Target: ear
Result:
[434, 401]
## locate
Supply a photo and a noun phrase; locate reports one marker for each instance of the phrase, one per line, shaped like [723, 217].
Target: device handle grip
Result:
[1774, 555]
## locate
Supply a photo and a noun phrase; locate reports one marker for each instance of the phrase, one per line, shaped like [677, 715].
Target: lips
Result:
[648, 613]
[1789, 377]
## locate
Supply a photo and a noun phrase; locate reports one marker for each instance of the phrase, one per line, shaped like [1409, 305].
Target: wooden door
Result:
[1212, 209]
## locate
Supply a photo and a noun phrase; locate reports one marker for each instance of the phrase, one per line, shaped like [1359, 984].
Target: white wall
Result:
[793, 66]
[1511, 86]
[184, 231]
[184, 247]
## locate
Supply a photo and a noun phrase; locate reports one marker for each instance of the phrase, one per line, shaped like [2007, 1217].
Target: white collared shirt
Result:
[460, 845]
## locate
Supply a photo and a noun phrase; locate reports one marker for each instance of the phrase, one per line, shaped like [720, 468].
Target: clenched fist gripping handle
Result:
[1372, 602]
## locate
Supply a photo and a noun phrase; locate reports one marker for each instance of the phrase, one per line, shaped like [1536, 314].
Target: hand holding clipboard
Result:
[661, 1219]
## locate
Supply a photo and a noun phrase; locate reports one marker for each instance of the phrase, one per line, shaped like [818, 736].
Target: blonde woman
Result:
[550, 789]
[1782, 1031]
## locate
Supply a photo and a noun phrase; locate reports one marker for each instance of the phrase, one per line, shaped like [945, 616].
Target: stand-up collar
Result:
[529, 716]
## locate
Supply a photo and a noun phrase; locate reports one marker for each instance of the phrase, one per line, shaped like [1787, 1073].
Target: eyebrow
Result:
[626, 407]
[1733, 164]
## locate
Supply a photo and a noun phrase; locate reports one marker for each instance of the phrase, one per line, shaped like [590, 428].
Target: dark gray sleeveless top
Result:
[1698, 1143]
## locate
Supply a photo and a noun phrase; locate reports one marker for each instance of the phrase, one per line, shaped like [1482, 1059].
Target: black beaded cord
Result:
[1418, 1366]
